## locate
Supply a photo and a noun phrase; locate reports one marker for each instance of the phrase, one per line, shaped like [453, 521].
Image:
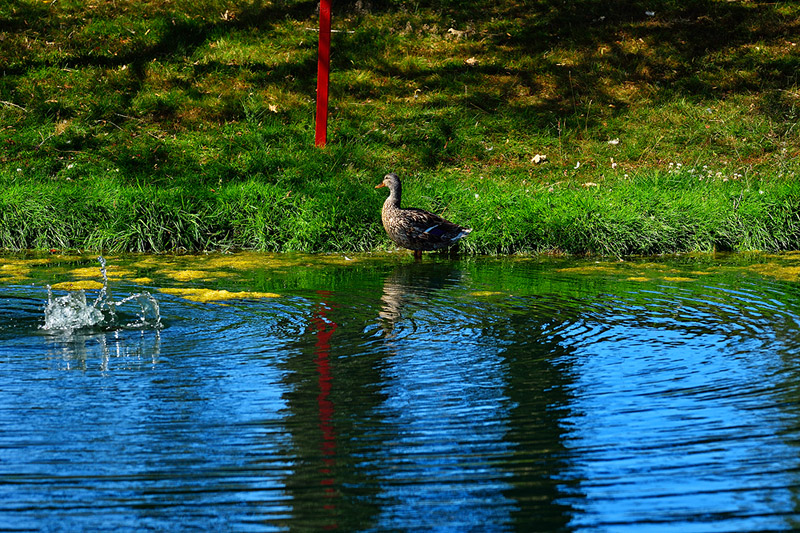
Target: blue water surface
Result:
[380, 394]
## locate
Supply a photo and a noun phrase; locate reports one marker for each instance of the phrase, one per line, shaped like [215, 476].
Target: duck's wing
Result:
[429, 229]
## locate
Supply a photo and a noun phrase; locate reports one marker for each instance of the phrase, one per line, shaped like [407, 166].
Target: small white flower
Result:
[650, 13]
[19, 170]
[70, 165]
[577, 165]
[477, 196]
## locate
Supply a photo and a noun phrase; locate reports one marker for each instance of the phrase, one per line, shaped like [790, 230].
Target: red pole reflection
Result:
[322, 351]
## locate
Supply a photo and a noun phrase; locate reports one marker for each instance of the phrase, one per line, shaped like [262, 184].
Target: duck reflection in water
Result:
[410, 282]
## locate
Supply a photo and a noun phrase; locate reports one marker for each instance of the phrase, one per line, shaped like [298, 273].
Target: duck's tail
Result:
[463, 233]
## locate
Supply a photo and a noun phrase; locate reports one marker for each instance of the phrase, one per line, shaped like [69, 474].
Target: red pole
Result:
[323, 72]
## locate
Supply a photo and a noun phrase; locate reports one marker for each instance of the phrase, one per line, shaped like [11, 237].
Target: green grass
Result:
[173, 125]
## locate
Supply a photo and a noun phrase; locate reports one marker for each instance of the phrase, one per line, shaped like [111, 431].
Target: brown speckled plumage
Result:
[416, 229]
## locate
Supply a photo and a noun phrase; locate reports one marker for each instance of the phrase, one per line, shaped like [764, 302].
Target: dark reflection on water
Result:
[513, 395]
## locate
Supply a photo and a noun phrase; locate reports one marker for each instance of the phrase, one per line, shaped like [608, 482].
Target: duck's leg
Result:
[417, 255]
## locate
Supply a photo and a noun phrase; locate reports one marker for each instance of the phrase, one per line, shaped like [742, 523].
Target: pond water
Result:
[252, 392]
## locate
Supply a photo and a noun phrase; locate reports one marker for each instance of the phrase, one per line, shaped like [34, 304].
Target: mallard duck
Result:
[415, 229]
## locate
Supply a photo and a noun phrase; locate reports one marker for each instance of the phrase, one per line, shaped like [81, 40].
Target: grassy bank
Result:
[166, 125]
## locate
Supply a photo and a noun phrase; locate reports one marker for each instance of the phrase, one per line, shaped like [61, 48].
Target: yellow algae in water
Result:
[87, 272]
[486, 293]
[239, 261]
[775, 270]
[10, 263]
[14, 272]
[638, 278]
[211, 295]
[18, 269]
[193, 275]
[112, 271]
[13, 278]
[676, 278]
[258, 261]
[86, 284]
[159, 262]
[151, 261]
[589, 269]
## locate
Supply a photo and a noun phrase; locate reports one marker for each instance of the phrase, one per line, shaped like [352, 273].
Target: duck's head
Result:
[389, 180]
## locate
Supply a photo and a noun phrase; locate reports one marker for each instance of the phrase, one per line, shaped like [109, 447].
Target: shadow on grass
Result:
[694, 48]
[588, 52]
[544, 61]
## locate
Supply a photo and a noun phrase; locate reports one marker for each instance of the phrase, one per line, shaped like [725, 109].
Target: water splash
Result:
[72, 311]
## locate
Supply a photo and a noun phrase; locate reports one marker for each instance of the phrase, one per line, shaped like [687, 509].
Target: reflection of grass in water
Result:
[632, 271]
[219, 277]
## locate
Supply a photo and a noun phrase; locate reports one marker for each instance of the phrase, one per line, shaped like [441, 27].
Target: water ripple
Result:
[495, 395]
